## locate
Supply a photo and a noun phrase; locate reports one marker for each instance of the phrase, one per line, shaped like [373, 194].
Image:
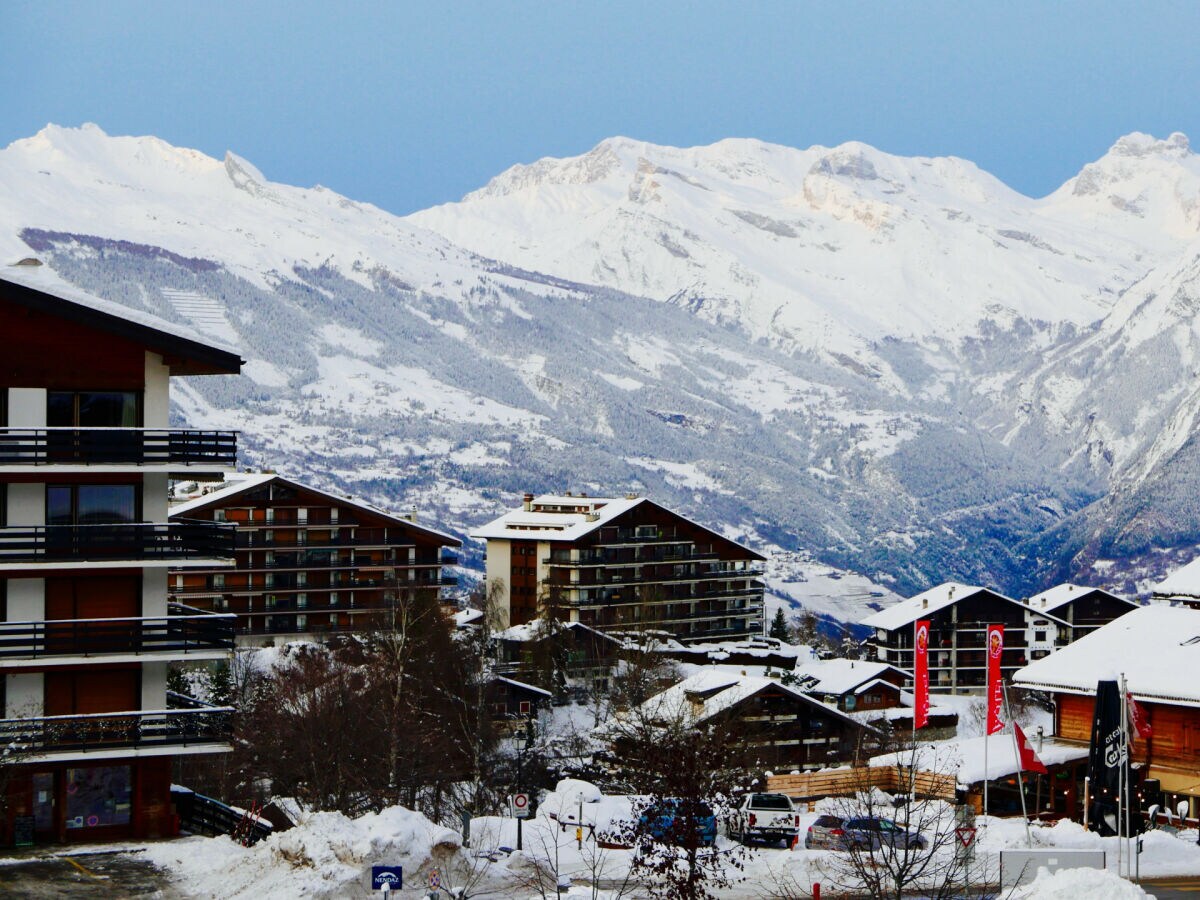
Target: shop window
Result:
[99, 796]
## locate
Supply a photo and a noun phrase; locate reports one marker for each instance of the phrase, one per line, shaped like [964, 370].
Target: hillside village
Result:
[262, 663]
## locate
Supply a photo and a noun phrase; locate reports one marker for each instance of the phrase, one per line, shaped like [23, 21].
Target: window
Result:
[333, 516]
[333, 598]
[219, 515]
[301, 622]
[218, 581]
[98, 796]
[91, 504]
[93, 409]
[301, 601]
[525, 707]
[333, 620]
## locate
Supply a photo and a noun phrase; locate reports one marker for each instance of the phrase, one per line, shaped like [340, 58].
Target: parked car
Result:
[826, 833]
[666, 821]
[860, 833]
[764, 817]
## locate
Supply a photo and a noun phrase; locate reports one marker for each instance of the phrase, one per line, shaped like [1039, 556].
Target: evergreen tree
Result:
[779, 626]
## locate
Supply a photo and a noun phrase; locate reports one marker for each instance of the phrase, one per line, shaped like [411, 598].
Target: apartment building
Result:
[309, 563]
[622, 564]
[86, 452]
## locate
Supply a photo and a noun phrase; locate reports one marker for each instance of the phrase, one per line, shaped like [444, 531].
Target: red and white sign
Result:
[520, 805]
[966, 836]
[921, 674]
[995, 687]
[1029, 758]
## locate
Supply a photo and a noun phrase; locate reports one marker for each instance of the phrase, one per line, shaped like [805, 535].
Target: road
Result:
[1173, 888]
[84, 875]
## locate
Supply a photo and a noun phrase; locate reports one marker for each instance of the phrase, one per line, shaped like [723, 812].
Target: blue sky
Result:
[407, 105]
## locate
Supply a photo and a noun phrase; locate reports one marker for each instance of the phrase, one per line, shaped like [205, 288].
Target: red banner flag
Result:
[1029, 759]
[1138, 718]
[995, 687]
[921, 674]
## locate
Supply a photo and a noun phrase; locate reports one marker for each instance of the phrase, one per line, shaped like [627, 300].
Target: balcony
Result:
[188, 633]
[138, 544]
[113, 735]
[187, 451]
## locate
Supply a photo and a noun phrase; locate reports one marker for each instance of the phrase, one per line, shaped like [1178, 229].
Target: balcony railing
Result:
[134, 730]
[116, 446]
[189, 632]
[135, 542]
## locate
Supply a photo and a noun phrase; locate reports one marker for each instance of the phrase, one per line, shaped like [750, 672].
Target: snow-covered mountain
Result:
[896, 367]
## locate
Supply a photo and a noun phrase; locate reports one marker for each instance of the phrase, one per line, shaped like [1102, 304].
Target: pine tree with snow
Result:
[779, 626]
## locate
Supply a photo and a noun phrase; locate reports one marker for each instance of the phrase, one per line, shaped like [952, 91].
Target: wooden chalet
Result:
[1158, 649]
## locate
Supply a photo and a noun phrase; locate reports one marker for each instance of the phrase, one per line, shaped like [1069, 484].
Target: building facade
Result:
[309, 563]
[1084, 609]
[958, 616]
[88, 632]
[621, 565]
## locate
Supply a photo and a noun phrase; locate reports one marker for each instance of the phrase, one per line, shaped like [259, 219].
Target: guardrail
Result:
[115, 446]
[118, 730]
[199, 631]
[125, 541]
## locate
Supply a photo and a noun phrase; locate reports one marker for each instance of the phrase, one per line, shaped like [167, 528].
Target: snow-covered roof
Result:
[1057, 597]
[1156, 647]
[710, 692]
[466, 616]
[966, 757]
[238, 484]
[933, 600]
[569, 517]
[522, 685]
[841, 676]
[50, 284]
[532, 631]
[1183, 582]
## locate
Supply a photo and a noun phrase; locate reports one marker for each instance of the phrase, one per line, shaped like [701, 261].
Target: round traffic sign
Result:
[520, 801]
[435, 878]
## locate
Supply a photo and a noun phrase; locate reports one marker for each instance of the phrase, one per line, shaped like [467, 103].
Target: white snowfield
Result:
[327, 855]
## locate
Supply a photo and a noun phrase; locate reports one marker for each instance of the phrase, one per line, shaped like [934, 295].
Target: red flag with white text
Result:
[1138, 718]
[921, 674]
[1029, 759]
[995, 687]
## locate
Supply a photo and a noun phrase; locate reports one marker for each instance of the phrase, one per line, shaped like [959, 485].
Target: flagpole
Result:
[1125, 773]
[1017, 750]
[987, 739]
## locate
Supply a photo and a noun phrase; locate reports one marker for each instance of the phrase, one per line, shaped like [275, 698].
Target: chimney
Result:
[924, 603]
[527, 502]
[412, 513]
[950, 595]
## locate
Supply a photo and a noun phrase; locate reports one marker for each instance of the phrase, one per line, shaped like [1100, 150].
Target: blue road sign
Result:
[391, 876]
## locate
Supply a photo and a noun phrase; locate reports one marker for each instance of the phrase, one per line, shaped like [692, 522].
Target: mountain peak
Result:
[1140, 145]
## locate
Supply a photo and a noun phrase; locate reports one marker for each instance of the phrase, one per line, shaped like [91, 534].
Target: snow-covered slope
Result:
[835, 248]
[897, 367]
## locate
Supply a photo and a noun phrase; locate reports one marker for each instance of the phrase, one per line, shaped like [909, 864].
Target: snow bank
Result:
[1071, 884]
[324, 856]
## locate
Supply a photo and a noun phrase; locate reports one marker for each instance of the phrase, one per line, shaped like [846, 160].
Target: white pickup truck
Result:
[764, 817]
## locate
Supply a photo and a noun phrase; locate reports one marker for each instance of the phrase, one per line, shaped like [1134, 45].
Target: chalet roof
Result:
[522, 685]
[711, 692]
[1060, 596]
[1184, 582]
[965, 758]
[239, 484]
[532, 631]
[934, 600]
[40, 288]
[841, 676]
[1156, 647]
[567, 518]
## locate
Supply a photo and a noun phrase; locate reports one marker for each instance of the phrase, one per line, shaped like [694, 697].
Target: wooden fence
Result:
[849, 781]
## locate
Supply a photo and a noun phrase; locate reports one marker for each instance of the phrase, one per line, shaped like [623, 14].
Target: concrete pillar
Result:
[156, 399]
[26, 600]
[24, 696]
[26, 504]
[154, 592]
[154, 685]
[27, 407]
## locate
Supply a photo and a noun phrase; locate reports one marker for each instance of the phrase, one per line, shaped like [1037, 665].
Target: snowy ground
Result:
[327, 855]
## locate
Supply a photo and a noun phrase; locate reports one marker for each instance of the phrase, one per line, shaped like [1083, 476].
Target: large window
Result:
[93, 409]
[98, 796]
[91, 504]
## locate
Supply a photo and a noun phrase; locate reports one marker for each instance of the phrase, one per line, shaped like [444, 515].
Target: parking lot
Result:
[83, 875]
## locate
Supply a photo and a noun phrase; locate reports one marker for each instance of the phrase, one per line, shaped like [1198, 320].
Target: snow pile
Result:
[1071, 884]
[324, 856]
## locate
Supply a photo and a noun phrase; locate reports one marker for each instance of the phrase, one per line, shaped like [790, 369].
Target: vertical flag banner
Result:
[995, 687]
[1106, 758]
[1137, 718]
[921, 674]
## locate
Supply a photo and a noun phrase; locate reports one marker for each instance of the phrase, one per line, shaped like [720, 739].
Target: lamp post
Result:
[521, 751]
